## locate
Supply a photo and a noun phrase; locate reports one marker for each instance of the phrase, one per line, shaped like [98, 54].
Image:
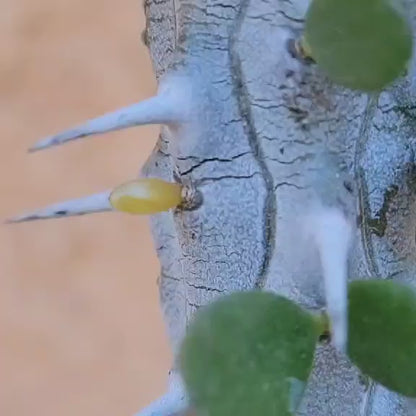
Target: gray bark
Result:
[268, 138]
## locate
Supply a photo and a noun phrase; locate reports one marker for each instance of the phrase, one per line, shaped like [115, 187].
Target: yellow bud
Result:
[146, 196]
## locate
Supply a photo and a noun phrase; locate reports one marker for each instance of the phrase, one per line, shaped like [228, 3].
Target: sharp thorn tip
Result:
[81, 206]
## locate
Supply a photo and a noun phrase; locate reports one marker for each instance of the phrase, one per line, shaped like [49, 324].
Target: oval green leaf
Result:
[382, 333]
[248, 353]
[360, 44]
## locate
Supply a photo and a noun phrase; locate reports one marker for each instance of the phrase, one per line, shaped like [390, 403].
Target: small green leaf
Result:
[249, 353]
[382, 333]
[360, 44]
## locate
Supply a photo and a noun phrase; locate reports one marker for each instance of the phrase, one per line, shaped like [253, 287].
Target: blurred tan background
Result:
[80, 328]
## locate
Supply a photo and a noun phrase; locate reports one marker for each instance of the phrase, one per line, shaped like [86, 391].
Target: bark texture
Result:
[268, 139]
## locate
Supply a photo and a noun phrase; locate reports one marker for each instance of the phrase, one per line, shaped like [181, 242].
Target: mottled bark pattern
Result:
[268, 137]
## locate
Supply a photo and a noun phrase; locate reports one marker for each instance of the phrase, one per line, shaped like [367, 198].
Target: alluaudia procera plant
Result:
[285, 168]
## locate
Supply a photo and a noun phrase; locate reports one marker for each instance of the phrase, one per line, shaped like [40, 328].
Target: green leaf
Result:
[382, 333]
[360, 44]
[249, 353]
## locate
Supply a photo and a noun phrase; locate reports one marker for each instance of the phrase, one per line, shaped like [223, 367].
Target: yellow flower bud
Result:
[146, 196]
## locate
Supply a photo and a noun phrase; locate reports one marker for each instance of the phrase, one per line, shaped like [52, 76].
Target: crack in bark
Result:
[290, 18]
[163, 275]
[203, 287]
[242, 96]
[220, 178]
[288, 184]
[301, 158]
[207, 160]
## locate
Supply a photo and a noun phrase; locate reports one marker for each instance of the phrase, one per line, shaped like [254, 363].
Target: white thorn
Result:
[86, 205]
[332, 233]
[165, 108]
[173, 403]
